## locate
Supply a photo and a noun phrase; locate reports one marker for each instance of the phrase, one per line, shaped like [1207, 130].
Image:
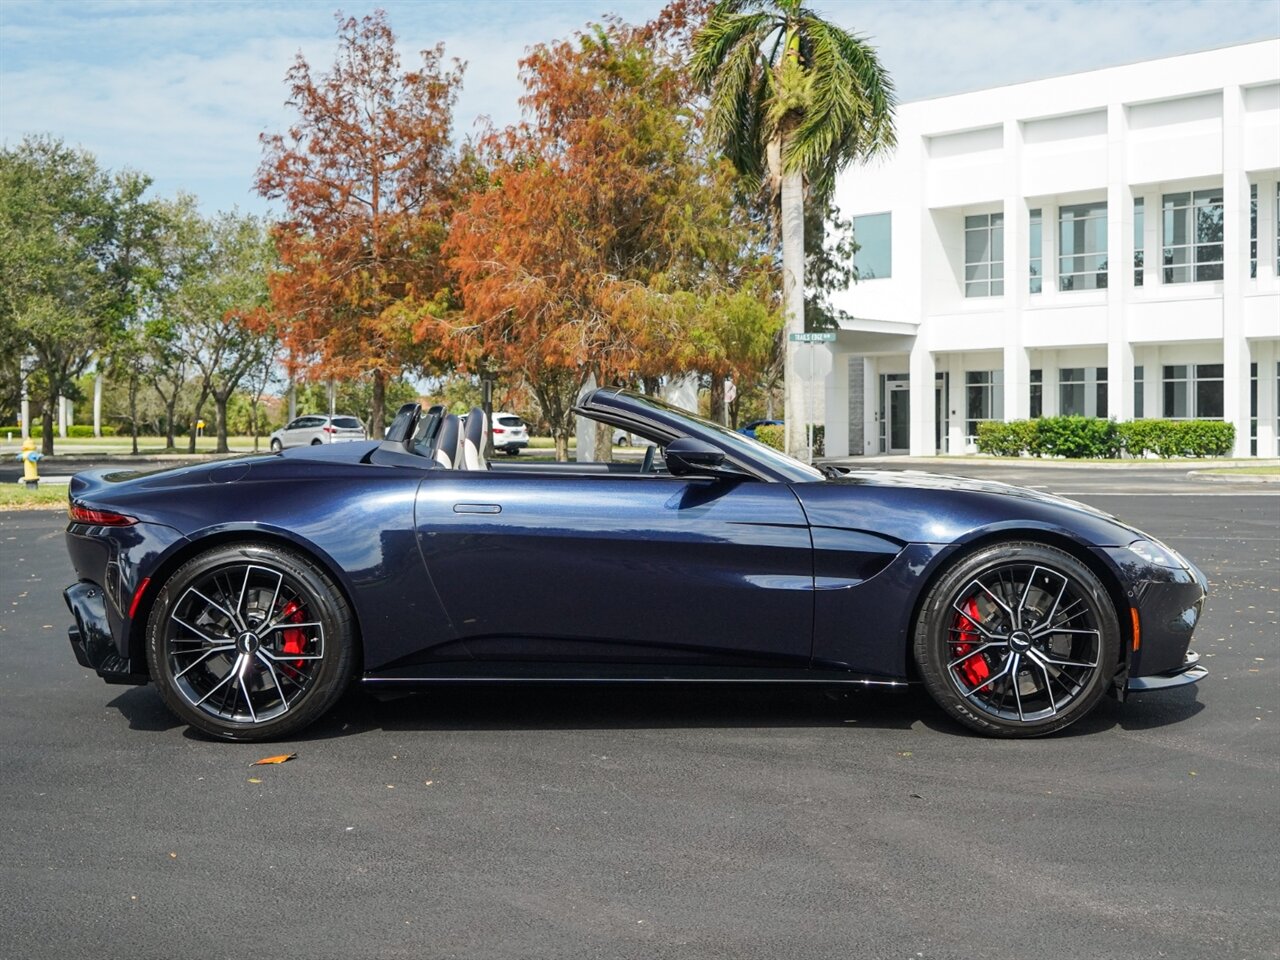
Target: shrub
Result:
[772, 435]
[1011, 439]
[1075, 438]
[1178, 438]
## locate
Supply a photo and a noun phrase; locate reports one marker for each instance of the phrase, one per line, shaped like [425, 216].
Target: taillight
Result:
[79, 513]
[328, 429]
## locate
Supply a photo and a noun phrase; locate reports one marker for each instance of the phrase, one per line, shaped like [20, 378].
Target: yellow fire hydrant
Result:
[30, 457]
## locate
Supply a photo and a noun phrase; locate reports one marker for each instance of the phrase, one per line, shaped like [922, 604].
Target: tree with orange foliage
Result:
[365, 176]
[606, 240]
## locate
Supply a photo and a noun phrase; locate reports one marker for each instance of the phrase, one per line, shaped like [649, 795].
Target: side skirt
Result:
[537, 672]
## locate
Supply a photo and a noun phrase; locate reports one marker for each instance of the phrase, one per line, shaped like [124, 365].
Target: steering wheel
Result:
[647, 465]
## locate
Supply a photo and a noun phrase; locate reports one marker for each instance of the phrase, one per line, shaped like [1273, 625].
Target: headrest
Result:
[448, 441]
[474, 442]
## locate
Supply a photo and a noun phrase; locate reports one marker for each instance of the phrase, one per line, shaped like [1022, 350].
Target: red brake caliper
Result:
[295, 639]
[975, 669]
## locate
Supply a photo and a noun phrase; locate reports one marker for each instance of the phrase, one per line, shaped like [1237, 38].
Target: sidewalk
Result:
[1195, 464]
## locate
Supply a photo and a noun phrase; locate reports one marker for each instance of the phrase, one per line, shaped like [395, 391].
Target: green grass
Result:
[147, 446]
[15, 496]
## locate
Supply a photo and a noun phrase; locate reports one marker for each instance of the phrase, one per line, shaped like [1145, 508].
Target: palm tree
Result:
[797, 98]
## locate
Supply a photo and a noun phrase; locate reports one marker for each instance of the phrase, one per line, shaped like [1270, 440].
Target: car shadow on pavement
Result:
[590, 706]
[654, 706]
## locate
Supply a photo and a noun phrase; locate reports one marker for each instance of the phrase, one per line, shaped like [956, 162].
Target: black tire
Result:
[316, 442]
[276, 446]
[1017, 639]
[513, 451]
[250, 642]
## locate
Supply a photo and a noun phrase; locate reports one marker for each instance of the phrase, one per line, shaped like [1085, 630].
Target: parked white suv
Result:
[317, 428]
[510, 433]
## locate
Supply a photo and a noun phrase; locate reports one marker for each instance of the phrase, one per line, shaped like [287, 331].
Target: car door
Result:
[620, 568]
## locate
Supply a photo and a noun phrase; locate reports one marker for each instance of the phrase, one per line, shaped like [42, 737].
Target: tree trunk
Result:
[220, 418]
[715, 409]
[170, 428]
[604, 442]
[133, 412]
[377, 414]
[46, 425]
[253, 421]
[793, 304]
[562, 445]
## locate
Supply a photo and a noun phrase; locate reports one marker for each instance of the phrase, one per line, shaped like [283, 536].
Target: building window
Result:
[1138, 401]
[1082, 247]
[1139, 239]
[1036, 236]
[984, 398]
[1192, 236]
[1253, 231]
[984, 255]
[1037, 394]
[1253, 409]
[1193, 391]
[1082, 392]
[873, 259]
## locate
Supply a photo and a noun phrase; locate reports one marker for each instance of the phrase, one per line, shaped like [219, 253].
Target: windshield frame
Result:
[671, 421]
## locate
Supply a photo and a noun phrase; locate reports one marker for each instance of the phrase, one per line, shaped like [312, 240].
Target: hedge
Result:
[1090, 437]
[78, 430]
[774, 435]
[1178, 438]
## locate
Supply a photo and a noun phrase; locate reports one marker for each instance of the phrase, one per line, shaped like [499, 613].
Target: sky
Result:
[182, 90]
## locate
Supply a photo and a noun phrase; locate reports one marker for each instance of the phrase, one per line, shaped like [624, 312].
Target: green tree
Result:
[68, 268]
[219, 309]
[794, 99]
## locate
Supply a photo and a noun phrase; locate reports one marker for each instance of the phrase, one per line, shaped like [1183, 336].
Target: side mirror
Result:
[687, 456]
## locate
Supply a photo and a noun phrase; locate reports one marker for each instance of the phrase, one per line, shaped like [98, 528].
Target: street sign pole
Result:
[812, 339]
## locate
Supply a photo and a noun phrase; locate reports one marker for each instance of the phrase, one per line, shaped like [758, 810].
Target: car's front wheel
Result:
[1017, 639]
[250, 642]
[276, 445]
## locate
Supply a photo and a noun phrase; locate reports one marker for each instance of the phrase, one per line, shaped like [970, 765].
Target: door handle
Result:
[477, 508]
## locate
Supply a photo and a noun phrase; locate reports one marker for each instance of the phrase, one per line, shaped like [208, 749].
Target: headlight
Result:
[1155, 552]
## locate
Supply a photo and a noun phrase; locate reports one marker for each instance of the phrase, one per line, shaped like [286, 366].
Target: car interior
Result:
[447, 441]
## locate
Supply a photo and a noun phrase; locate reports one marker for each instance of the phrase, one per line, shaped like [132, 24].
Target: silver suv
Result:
[317, 428]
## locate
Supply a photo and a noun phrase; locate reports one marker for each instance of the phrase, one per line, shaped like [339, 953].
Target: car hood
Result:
[915, 506]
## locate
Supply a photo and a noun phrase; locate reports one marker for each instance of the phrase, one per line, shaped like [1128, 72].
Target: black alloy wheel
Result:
[250, 642]
[1017, 640]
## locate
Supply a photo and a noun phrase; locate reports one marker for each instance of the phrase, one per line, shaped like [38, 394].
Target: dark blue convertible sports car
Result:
[253, 591]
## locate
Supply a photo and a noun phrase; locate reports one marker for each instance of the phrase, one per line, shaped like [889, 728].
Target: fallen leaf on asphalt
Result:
[255, 780]
[283, 758]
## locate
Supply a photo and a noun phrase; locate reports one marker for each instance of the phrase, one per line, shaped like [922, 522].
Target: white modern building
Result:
[1105, 243]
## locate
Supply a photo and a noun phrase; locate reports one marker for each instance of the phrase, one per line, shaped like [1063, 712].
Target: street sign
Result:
[812, 337]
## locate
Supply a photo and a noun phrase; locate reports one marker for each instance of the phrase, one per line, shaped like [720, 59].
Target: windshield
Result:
[735, 444]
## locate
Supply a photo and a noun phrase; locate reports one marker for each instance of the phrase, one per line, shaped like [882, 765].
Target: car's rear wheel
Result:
[1017, 639]
[250, 642]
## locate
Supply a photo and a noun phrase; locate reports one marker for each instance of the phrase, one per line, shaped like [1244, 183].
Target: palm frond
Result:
[720, 35]
[850, 113]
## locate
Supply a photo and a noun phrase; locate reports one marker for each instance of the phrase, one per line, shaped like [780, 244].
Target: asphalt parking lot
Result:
[639, 822]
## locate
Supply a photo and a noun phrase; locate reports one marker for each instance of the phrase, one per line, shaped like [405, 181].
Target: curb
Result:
[1227, 478]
